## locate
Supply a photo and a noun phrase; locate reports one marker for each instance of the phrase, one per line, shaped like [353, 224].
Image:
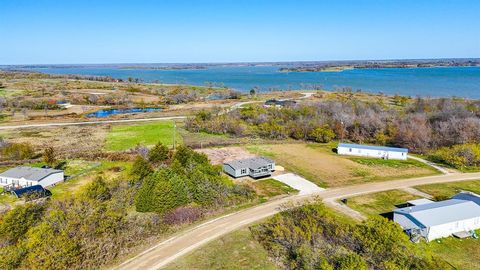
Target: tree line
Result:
[421, 124]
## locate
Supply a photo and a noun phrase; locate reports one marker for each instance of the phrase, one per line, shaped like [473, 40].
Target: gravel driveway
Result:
[299, 183]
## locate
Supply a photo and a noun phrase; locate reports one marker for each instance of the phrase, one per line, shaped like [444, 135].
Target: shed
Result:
[27, 190]
[372, 151]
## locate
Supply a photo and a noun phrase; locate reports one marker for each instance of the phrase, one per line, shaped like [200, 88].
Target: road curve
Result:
[92, 122]
[176, 246]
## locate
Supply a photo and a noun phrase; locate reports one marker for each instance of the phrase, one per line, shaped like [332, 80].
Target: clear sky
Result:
[116, 31]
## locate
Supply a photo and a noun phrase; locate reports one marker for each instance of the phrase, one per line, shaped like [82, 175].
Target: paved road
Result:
[171, 249]
[92, 122]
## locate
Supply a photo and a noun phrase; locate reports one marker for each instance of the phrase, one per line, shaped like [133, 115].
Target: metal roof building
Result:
[439, 219]
[254, 167]
[23, 176]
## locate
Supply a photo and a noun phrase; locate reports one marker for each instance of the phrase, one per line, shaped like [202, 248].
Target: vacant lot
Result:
[379, 203]
[447, 190]
[237, 250]
[317, 163]
[124, 137]
[225, 154]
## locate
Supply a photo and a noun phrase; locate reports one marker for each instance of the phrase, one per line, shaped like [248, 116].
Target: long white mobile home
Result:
[372, 151]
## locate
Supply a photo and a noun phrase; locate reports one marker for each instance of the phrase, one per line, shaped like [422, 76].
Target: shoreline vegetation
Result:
[349, 65]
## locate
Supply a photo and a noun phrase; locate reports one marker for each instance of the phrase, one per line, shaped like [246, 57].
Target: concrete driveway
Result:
[299, 183]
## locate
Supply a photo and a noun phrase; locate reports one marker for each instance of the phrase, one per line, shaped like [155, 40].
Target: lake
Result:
[435, 82]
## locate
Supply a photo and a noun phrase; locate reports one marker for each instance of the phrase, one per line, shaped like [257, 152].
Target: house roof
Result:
[251, 163]
[29, 173]
[420, 201]
[373, 147]
[443, 212]
[468, 196]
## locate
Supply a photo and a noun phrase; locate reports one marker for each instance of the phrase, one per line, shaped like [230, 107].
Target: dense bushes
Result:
[420, 125]
[311, 237]
[190, 179]
[464, 156]
[16, 151]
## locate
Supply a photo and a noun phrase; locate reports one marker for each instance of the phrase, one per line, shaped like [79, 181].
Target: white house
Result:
[372, 151]
[29, 176]
[440, 219]
[254, 167]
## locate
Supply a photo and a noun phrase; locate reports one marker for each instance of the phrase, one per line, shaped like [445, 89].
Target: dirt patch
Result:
[225, 154]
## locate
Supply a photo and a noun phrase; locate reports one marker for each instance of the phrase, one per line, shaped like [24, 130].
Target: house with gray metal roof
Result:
[24, 176]
[439, 219]
[254, 167]
[372, 151]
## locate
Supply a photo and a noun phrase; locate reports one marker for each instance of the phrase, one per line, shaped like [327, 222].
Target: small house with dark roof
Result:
[372, 151]
[24, 176]
[254, 167]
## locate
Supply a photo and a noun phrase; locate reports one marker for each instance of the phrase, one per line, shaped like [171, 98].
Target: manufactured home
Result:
[23, 176]
[430, 221]
[372, 151]
[254, 167]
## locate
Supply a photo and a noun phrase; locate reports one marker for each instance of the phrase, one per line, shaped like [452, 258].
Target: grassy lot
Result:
[237, 250]
[107, 169]
[447, 190]
[124, 137]
[463, 254]
[379, 203]
[271, 188]
[318, 163]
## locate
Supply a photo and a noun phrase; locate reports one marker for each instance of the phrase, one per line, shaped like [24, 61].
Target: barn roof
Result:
[23, 191]
[373, 147]
[29, 173]
[252, 163]
[442, 212]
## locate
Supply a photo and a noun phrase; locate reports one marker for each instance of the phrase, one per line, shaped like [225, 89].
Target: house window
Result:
[403, 154]
[244, 171]
[350, 150]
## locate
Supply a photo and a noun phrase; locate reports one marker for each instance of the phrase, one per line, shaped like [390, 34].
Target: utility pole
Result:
[174, 134]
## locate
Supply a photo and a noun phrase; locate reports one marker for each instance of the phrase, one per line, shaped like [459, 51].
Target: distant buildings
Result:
[372, 151]
[254, 167]
[29, 176]
[432, 220]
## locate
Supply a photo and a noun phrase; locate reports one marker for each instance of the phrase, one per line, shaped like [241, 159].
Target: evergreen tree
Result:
[158, 153]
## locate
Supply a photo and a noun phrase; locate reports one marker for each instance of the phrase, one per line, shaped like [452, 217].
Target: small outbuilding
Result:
[440, 219]
[372, 151]
[24, 176]
[254, 167]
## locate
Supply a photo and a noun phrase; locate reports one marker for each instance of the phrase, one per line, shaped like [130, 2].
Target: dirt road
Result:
[171, 249]
[91, 122]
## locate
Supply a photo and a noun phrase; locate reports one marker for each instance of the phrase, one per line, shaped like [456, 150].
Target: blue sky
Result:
[52, 32]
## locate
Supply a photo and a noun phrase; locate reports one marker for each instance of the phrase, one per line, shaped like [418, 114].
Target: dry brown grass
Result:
[320, 165]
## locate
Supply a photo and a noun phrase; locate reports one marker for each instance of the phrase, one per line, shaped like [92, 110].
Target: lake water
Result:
[108, 112]
[435, 82]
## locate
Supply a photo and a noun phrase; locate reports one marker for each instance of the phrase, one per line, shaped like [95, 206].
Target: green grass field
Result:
[271, 188]
[379, 203]
[237, 250]
[124, 137]
[447, 190]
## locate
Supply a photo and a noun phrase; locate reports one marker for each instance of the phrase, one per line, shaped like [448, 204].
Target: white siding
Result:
[371, 153]
[445, 230]
[45, 182]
